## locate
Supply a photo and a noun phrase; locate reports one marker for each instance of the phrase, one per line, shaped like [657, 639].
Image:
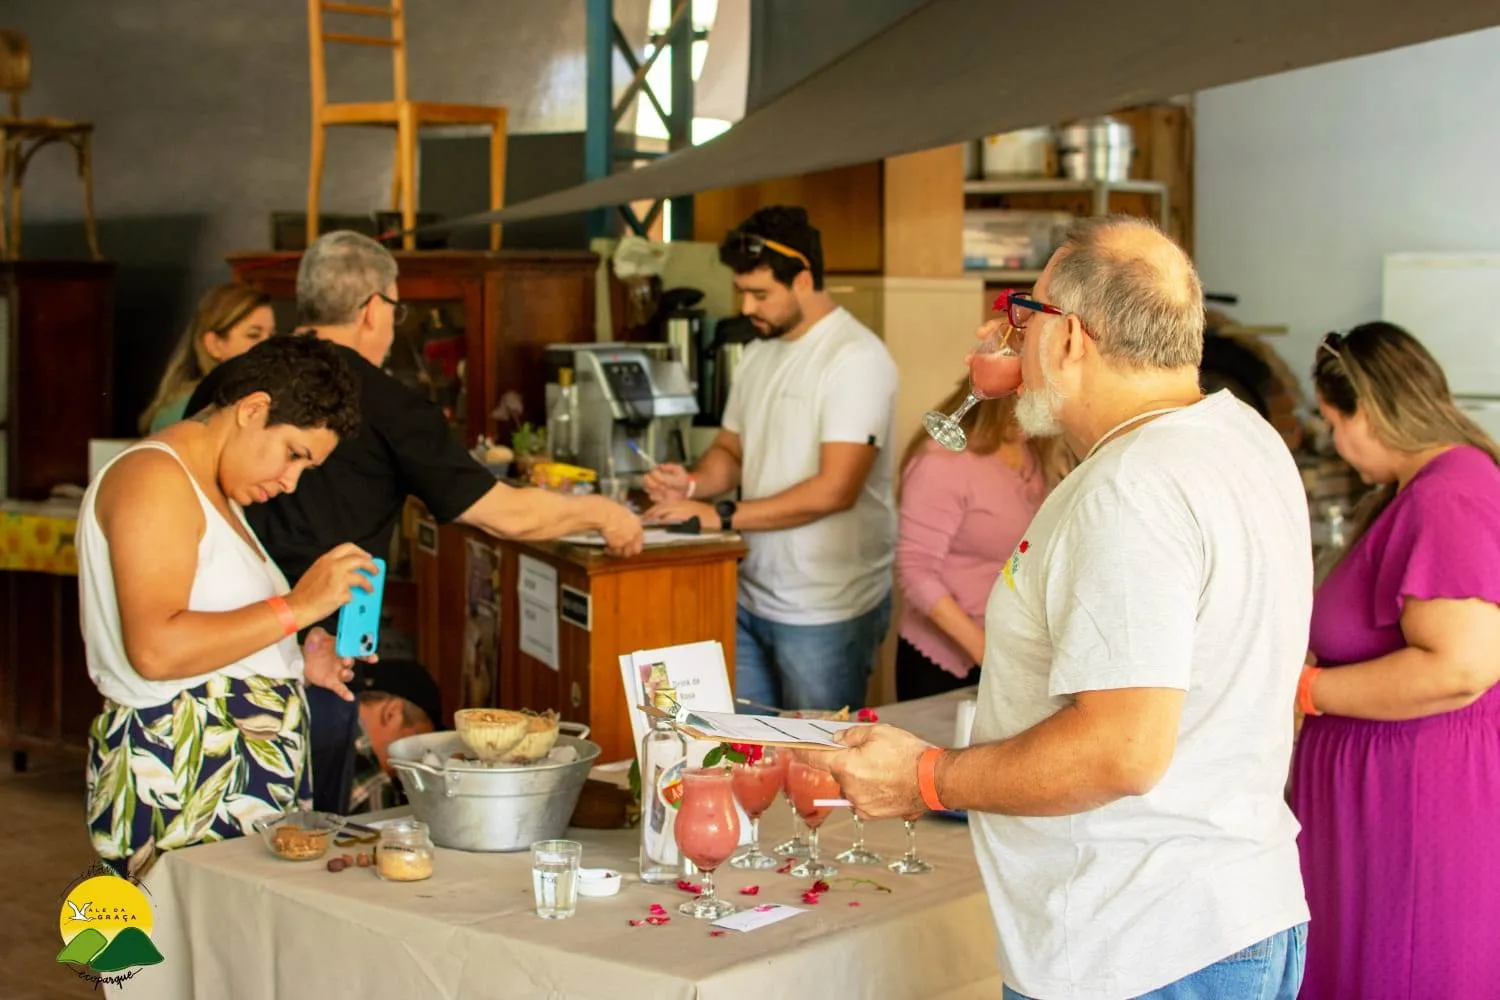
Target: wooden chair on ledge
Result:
[21, 138]
[403, 114]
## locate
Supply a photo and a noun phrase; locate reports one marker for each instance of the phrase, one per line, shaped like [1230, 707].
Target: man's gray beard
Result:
[1036, 411]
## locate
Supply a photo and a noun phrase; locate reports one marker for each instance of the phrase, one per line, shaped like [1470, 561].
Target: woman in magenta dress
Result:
[1396, 777]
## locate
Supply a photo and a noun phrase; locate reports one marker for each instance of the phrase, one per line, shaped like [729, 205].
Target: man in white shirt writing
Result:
[1124, 785]
[806, 438]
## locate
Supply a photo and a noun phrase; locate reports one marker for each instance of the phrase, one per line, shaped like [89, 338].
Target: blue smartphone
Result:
[359, 620]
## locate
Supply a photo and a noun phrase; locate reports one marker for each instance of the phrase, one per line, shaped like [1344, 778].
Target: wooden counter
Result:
[600, 608]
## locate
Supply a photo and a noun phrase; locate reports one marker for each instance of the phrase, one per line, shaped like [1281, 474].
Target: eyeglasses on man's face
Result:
[398, 309]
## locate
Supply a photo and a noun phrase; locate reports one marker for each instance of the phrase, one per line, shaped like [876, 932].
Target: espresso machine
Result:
[635, 406]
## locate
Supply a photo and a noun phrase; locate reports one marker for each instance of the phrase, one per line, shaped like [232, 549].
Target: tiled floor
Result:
[46, 847]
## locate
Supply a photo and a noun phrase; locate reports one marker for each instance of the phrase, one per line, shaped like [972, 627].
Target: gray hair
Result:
[339, 273]
[1140, 299]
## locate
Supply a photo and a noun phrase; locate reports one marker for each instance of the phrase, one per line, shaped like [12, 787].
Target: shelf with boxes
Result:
[1023, 188]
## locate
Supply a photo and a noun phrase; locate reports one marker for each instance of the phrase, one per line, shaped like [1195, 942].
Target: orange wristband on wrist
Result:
[927, 778]
[284, 612]
[1304, 690]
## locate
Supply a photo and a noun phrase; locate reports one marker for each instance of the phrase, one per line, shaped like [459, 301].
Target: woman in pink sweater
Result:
[962, 515]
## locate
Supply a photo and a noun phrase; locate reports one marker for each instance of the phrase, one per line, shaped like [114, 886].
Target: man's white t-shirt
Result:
[1178, 556]
[835, 383]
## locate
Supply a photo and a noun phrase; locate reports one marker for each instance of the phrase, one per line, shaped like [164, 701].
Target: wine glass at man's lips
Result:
[994, 371]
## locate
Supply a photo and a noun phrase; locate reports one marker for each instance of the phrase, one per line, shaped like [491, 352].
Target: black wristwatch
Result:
[725, 510]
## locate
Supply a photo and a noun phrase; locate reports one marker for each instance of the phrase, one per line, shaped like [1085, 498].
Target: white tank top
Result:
[230, 575]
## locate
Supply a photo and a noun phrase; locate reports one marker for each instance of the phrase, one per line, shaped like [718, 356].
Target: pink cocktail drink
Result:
[755, 786]
[804, 785]
[994, 375]
[707, 829]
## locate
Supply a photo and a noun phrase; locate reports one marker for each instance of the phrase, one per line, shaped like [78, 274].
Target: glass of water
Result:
[554, 877]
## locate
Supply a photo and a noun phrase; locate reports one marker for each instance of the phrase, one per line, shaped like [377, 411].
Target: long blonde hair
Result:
[218, 312]
[989, 425]
[1382, 371]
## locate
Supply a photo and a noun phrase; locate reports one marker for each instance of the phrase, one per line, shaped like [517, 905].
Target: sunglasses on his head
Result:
[755, 245]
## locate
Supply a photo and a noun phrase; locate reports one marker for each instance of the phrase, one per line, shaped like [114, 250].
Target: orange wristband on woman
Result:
[927, 778]
[284, 612]
[1304, 690]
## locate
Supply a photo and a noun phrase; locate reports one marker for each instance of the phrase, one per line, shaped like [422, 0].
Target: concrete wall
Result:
[201, 110]
[1306, 179]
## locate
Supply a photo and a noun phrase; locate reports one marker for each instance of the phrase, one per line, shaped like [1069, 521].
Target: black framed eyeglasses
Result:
[755, 245]
[398, 309]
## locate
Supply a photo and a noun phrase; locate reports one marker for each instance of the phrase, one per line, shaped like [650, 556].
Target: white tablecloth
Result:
[234, 921]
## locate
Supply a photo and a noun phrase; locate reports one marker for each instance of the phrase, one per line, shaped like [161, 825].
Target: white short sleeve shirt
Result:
[835, 383]
[1179, 556]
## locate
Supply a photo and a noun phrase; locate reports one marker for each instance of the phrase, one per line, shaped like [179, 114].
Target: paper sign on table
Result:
[749, 920]
[762, 730]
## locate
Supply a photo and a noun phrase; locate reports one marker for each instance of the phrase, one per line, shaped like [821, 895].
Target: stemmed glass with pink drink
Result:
[707, 829]
[994, 371]
[805, 785]
[756, 784]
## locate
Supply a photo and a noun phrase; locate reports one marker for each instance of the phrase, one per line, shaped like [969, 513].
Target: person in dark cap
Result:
[351, 767]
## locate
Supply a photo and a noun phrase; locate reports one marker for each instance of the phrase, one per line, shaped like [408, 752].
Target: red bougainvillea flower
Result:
[866, 715]
[636, 923]
[810, 897]
[657, 910]
[753, 751]
[693, 887]
[765, 908]
[853, 902]
[820, 886]
[750, 890]
[717, 933]
[786, 866]
[657, 921]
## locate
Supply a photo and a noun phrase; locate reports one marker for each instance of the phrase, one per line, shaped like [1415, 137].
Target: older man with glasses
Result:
[346, 293]
[1124, 784]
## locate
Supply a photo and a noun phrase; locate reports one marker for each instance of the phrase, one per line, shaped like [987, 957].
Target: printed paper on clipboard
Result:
[769, 731]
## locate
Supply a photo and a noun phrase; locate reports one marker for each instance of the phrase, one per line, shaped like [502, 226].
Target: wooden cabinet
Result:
[56, 355]
[506, 306]
[593, 607]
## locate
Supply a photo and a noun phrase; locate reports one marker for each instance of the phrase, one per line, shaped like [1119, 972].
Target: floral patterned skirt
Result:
[203, 767]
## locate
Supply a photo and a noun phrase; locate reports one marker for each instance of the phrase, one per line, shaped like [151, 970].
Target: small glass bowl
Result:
[300, 835]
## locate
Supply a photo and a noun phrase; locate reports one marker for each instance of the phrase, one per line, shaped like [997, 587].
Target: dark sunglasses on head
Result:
[755, 245]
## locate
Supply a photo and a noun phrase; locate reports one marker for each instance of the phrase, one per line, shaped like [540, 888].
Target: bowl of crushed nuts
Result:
[301, 835]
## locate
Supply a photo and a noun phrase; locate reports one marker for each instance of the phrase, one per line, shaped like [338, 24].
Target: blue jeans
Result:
[1268, 970]
[808, 666]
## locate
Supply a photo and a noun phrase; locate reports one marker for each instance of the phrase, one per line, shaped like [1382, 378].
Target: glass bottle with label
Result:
[562, 421]
[663, 759]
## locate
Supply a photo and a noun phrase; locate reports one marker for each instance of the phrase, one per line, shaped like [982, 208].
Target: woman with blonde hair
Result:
[229, 320]
[1396, 777]
[962, 515]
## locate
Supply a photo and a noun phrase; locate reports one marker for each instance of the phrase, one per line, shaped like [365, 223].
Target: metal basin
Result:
[475, 808]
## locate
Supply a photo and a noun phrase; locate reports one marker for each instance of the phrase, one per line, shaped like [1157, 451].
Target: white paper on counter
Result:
[749, 920]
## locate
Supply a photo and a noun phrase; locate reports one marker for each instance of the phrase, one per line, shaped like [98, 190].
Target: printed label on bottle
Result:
[669, 786]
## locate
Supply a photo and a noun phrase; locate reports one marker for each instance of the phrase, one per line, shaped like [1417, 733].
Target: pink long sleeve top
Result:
[962, 515]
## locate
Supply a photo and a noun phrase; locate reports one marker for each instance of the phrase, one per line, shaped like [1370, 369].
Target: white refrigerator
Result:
[1451, 303]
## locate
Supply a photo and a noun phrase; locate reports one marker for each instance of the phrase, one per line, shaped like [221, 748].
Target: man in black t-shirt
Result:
[346, 293]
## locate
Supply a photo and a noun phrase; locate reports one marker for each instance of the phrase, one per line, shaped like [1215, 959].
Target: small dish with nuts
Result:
[301, 835]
